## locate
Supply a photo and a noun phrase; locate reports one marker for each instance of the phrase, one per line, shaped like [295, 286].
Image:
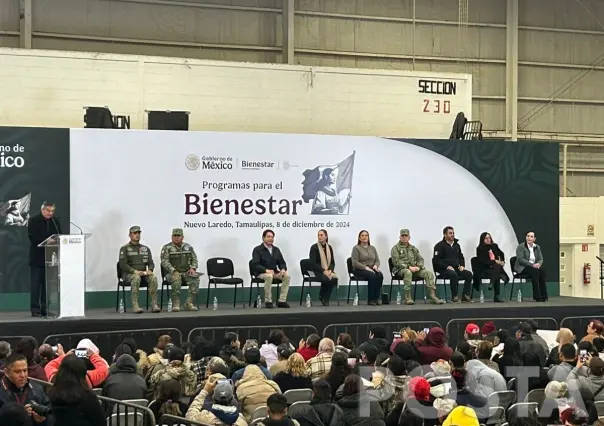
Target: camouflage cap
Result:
[404, 231]
[135, 228]
[177, 232]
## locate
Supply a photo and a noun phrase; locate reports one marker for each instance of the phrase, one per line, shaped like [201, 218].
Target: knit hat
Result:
[472, 328]
[419, 388]
[223, 392]
[444, 406]
[87, 344]
[555, 389]
[441, 368]
[462, 416]
[487, 328]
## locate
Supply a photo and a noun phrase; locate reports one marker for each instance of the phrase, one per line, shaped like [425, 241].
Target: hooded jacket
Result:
[489, 380]
[36, 371]
[527, 344]
[434, 347]
[214, 414]
[124, 382]
[253, 390]
[588, 382]
[351, 407]
[320, 413]
[180, 372]
[94, 377]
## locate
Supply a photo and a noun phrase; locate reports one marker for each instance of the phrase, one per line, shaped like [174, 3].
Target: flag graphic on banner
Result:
[329, 186]
[15, 212]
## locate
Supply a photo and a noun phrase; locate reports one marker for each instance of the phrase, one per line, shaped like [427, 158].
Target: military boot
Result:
[154, 306]
[432, 297]
[135, 308]
[189, 306]
[175, 303]
[408, 298]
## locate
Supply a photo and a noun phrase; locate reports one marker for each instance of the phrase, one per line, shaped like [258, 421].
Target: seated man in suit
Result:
[268, 264]
[407, 264]
[449, 262]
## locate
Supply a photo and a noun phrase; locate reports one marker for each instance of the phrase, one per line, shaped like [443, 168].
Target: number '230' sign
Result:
[437, 106]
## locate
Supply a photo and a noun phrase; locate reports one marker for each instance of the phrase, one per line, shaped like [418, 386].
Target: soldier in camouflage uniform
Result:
[179, 263]
[408, 264]
[136, 264]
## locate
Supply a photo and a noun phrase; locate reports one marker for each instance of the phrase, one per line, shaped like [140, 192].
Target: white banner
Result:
[224, 189]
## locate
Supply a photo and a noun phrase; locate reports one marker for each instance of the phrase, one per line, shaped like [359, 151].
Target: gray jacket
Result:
[489, 380]
[588, 381]
[523, 255]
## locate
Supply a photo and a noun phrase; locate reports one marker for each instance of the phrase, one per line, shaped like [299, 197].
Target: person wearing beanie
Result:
[419, 408]
[222, 410]
[123, 381]
[487, 329]
[462, 416]
[434, 347]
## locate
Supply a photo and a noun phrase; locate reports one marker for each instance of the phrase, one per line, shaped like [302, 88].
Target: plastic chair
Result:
[297, 395]
[351, 277]
[502, 399]
[496, 416]
[259, 413]
[221, 271]
[523, 409]
[394, 277]
[298, 407]
[536, 395]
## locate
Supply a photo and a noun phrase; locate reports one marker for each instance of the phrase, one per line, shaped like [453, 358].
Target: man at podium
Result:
[39, 228]
[136, 264]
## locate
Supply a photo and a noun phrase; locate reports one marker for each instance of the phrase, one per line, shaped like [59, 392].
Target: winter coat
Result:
[351, 407]
[527, 344]
[489, 380]
[434, 347]
[588, 381]
[210, 414]
[180, 372]
[286, 381]
[308, 353]
[124, 382]
[36, 371]
[94, 377]
[30, 392]
[253, 390]
[320, 413]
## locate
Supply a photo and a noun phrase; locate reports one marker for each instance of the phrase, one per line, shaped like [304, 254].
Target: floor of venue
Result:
[20, 323]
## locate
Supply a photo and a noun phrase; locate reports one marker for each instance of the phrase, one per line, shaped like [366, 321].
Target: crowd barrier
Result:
[259, 333]
[13, 340]
[167, 420]
[107, 341]
[457, 326]
[578, 325]
[360, 331]
[119, 413]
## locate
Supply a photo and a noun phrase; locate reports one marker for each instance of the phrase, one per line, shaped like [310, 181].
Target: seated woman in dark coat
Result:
[489, 263]
[323, 263]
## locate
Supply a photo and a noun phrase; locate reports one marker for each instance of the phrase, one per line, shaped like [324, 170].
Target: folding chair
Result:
[351, 277]
[536, 395]
[298, 395]
[308, 276]
[502, 399]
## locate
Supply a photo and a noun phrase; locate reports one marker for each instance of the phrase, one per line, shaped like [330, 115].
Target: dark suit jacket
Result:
[315, 259]
[38, 230]
[262, 259]
[446, 254]
[523, 255]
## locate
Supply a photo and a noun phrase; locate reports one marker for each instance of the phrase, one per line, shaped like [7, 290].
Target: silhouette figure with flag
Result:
[16, 212]
[330, 187]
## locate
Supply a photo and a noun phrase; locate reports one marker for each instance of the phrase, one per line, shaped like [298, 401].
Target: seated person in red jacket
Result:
[309, 348]
[97, 368]
[434, 347]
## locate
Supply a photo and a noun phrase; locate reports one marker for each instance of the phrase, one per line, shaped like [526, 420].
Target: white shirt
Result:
[532, 253]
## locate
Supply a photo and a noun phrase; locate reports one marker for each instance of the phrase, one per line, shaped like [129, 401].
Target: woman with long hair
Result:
[72, 400]
[168, 401]
[510, 358]
[294, 376]
[323, 265]
[565, 335]
[338, 372]
[366, 266]
[327, 199]
[490, 261]
[344, 343]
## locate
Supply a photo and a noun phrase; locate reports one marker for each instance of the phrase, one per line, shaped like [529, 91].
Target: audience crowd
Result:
[410, 378]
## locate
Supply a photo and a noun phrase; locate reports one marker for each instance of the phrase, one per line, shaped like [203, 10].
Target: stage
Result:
[297, 321]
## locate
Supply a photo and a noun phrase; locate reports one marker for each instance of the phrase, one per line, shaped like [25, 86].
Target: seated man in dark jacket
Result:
[16, 387]
[268, 264]
[321, 412]
[449, 263]
[527, 344]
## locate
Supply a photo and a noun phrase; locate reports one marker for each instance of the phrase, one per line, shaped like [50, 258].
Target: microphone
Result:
[80, 229]
[55, 223]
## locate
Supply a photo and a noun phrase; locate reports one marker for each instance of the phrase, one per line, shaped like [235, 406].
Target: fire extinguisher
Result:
[586, 273]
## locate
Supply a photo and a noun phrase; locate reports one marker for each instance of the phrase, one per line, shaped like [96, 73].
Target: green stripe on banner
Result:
[106, 299]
